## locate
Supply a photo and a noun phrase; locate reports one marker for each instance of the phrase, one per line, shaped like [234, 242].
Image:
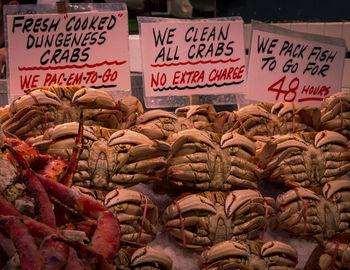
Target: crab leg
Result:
[40, 231]
[45, 209]
[77, 149]
[107, 235]
[28, 252]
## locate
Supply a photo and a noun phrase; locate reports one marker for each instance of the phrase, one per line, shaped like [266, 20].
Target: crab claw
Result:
[328, 136]
[154, 114]
[237, 198]
[234, 139]
[191, 110]
[190, 135]
[150, 256]
[129, 137]
[288, 255]
[94, 98]
[222, 251]
[131, 198]
[282, 108]
[252, 110]
[332, 187]
[292, 195]
[69, 130]
[287, 141]
[189, 203]
[36, 97]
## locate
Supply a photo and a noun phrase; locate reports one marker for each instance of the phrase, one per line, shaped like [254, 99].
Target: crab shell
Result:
[248, 255]
[306, 159]
[137, 214]
[148, 258]
[202, 116]
[335, 112]
[201, 220]
[42, 108]
[110, 158]
[208, 161]
[263, 119]
[304, 213]
[160, 124]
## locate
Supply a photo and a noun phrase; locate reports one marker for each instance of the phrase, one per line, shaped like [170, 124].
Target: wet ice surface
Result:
[184, 258]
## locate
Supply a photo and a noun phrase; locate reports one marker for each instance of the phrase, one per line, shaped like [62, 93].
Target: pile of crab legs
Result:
[38, 242]
[204, 142]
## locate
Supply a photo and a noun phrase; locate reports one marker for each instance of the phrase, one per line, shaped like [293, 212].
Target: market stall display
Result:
[168, 154]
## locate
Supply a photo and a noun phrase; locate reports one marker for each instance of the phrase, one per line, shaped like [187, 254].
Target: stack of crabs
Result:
[71, 158]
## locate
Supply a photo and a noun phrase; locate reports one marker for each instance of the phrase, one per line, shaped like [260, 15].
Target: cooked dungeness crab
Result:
[306, 159]
[207, 161]
[144, 258]
[137, 214]
[110, 158]
[201, 116]
[304, 213]
[335, 112]
[160, 124]
[332, 254]
[200, 220]
[31, 114]
[264, 119]
[249, 255]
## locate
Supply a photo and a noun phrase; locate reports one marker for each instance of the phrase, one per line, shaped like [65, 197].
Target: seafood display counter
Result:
[95, 182]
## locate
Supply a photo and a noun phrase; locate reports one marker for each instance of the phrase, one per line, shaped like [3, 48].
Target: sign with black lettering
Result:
[294, 67]
[84, 49]
[184, 58]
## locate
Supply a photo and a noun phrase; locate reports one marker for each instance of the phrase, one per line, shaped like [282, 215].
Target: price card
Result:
[289, 66]
[84, 49]
[193, 57]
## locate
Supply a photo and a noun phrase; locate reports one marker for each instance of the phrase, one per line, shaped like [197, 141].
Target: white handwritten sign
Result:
[290, 66]
[184, 58]
[85, 49]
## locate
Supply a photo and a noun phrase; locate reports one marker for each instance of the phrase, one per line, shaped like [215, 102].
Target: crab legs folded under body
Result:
[264, 119]
[137, 214]
[110, 158]
[302, 212]
[249, 255]
[201, 220]
[33, 113]
[335, 113]
[206, 161]
[306, 159]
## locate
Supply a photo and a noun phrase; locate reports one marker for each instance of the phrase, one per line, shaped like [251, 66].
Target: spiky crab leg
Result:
[44, 205]
[77, 149]
[41, 231]
[107, 235]
[28, 252]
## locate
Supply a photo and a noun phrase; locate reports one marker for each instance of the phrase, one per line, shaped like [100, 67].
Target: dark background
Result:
[286, 10]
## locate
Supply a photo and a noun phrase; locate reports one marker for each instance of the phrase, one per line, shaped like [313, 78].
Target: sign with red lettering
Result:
[291, 66]
[193, 57]
[83, 49]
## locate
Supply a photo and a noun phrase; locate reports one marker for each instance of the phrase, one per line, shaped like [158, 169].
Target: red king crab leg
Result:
[77, 149]
[44, 205]
[28, 252]
[106, 239]
[39, 231]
